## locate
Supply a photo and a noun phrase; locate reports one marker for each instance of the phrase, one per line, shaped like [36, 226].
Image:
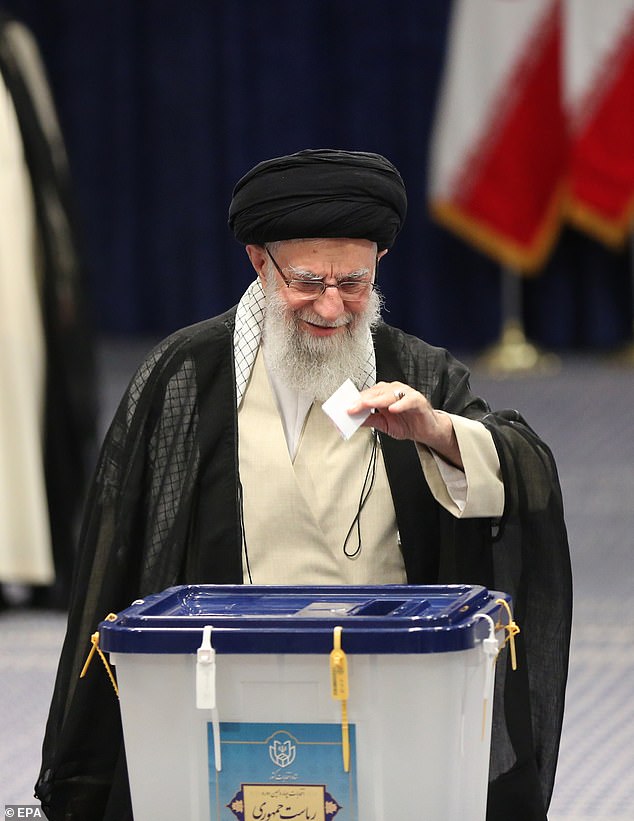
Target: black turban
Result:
[319, 193]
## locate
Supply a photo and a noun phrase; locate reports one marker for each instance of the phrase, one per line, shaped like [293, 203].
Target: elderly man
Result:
[220, 466]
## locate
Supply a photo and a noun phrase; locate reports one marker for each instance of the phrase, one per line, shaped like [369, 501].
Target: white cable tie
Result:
[491, 649]
[206, 687]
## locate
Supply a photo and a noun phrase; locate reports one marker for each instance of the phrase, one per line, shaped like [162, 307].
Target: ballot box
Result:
[310, 703]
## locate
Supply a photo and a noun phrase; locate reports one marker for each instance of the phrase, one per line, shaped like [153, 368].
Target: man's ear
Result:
[258, 257]
[379, 255]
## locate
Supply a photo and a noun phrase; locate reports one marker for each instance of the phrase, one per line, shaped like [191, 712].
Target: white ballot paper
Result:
[336, 407]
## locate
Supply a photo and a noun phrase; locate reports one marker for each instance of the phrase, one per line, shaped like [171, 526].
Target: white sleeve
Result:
[478, 489]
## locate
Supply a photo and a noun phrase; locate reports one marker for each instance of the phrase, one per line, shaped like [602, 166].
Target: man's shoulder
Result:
[403, 356]
[189, 341]
[201, 333]
[190, 349]
[405, 343]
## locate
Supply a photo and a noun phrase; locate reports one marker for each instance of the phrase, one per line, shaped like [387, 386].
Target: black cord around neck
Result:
[368, 484]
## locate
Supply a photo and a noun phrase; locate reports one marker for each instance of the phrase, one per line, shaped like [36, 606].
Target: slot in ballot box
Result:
[347, 703]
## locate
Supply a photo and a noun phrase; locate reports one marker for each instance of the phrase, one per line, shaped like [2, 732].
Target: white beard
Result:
[311, 365]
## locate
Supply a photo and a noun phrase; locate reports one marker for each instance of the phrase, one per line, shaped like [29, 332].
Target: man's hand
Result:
[404, 413]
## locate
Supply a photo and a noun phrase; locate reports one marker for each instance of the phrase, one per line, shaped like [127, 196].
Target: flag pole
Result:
[513, 353]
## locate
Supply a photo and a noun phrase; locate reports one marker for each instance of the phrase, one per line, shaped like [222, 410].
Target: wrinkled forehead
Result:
[325, 255]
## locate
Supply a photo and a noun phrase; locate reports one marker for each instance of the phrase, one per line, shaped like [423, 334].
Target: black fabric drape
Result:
[165, 109]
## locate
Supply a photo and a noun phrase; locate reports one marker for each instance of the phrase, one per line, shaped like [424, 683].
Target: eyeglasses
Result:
[350, 290]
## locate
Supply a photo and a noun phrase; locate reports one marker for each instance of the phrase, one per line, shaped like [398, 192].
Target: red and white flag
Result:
[499, 149]
[599, 98]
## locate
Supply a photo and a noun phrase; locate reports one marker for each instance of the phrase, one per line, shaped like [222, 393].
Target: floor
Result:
[584, 411]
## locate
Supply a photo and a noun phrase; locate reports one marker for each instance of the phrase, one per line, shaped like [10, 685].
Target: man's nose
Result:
[329, 305]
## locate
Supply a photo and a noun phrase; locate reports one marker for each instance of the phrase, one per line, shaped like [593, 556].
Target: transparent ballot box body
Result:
[310, 703]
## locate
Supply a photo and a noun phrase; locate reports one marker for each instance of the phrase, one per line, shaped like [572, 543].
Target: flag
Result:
[499, 147]
[599, 101]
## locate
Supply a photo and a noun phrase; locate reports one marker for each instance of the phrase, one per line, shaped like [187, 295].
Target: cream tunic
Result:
[297, 512]
[25, 543]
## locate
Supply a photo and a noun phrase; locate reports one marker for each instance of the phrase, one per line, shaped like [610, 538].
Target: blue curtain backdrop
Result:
[165, 105]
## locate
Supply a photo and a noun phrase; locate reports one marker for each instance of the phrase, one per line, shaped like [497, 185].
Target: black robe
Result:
[165, 510]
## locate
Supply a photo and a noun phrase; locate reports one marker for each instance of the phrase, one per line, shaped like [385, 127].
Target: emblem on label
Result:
[282, 752]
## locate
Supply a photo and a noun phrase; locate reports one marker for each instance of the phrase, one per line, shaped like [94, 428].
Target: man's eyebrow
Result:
[358, 274]
[303, 273]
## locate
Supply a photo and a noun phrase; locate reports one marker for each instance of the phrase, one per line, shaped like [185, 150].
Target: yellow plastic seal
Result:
[340, 691]
[512, 629]
[94, 640]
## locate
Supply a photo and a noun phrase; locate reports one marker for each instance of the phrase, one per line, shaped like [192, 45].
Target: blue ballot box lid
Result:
[276, 619]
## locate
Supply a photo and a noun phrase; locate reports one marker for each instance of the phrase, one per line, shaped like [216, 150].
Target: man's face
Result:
[332, 260]
[313, 345]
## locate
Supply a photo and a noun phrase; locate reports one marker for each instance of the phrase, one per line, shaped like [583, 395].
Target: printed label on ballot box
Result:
[281, 771]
